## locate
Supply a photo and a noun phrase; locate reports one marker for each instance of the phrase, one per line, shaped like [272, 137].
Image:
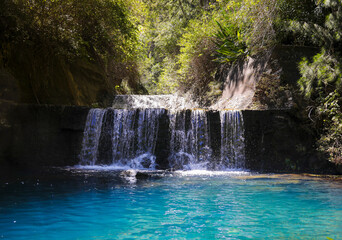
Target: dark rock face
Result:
[41, 136]
[277, 141]
[215, 134]
[106, 144]
[9, 88]
[162, 150]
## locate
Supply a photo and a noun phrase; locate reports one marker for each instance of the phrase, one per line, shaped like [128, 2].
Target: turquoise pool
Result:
[88, 204]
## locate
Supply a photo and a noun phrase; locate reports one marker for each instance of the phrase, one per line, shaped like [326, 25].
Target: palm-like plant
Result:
[230, 44]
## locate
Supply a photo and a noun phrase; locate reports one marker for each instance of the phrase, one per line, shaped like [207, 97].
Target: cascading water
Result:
[92, 132]
[135, 135]
[190, 142]
[127, 138]
[122, 137]
[232, 140]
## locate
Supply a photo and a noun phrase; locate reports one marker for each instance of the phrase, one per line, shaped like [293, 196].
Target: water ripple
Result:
[182, 205]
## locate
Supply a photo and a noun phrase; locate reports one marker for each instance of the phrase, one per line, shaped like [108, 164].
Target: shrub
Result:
[196, 66]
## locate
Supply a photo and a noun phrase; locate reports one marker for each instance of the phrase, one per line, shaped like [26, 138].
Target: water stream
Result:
[127, 139]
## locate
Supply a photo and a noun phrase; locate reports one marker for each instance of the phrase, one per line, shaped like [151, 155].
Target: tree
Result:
[44, 39]
[321, 81]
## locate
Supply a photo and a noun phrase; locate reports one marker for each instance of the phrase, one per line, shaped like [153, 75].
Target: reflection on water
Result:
[98, 204]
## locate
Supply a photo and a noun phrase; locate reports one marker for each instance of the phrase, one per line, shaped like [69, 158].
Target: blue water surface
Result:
[205, 205]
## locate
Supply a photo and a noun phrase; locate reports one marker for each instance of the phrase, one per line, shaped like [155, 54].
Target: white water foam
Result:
[126, 164]
[212, 173]
[153, 101]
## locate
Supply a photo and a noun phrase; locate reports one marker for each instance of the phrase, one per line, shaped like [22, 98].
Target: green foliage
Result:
[181, 38]
[321, 81]
[300, 10]
[70, 27]
[321, 76]
[168, 77]
[255, 20]
[195, 42]
[196, 66]
[168, 45]
[228, 31]
[230, 44]
[161, 27]
[331, 115]
[78, 40]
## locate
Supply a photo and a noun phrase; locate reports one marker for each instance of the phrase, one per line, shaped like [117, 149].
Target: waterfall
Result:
[194, 139]
[189, 143]
[134, 137]
[232, 140]
[120, 137]
[91, 136]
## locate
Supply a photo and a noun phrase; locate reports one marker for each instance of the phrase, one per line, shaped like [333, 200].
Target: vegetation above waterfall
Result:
[83, 52]
[189, 44]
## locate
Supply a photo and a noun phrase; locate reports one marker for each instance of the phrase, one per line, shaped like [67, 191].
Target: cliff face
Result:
[239, 86]
[54, 81]
[40, 78]
[50, 135]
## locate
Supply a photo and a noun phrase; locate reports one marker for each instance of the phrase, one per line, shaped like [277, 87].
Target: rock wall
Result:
[34, 136]
[241, 78]
[278, 141]
[37, 136]
[240, 83]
